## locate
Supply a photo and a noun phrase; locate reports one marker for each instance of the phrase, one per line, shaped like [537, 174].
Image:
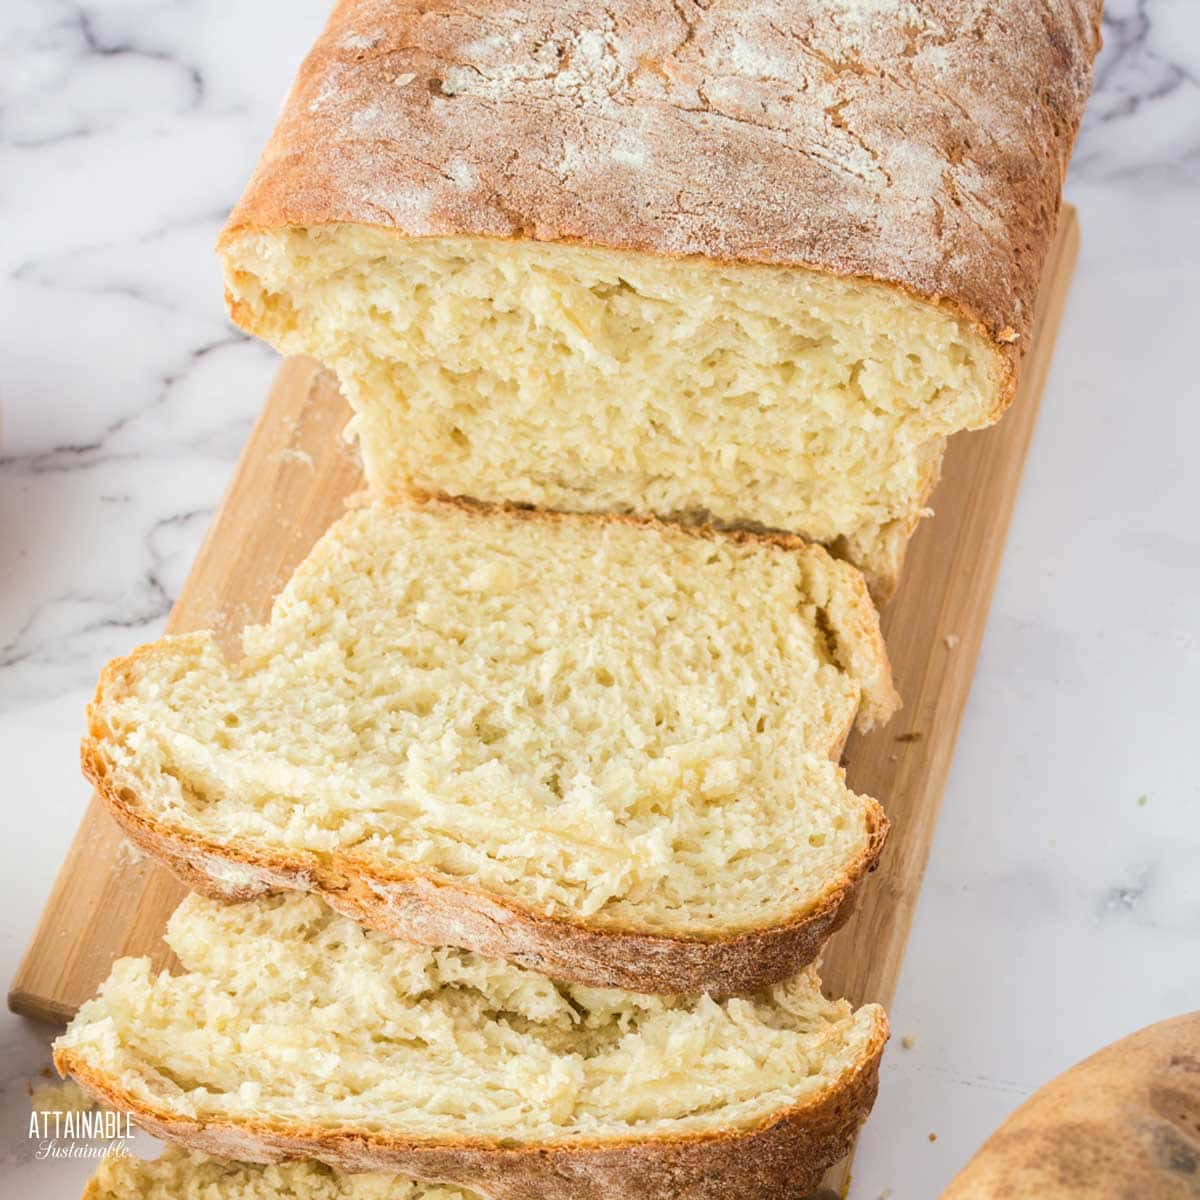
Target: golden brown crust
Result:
[923, 145]
[1123, 1123]
[781, 1158]
[436, 911]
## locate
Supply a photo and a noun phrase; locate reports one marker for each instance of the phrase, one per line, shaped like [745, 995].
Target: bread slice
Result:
[293, 1032]
[179, 1174]
[600, 746]
[755, 262]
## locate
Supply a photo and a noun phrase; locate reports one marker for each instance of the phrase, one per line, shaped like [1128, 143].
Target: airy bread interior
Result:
[601, 719]
[587, 379]
[288, 1014]
[179, 1174]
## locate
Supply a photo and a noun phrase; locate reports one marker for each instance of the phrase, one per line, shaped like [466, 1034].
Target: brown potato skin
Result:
[1120, 1125]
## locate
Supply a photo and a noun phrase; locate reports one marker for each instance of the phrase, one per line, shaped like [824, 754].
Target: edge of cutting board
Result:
[934, 629]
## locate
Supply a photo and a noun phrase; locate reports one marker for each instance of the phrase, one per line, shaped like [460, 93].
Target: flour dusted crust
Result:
[921, 143]
[782, 1158]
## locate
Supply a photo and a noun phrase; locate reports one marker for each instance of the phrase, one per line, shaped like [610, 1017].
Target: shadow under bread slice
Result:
[600, 746]
[294, 1032]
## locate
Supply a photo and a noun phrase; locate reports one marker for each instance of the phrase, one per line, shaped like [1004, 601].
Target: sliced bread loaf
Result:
[755, 261]
[293, 1032]
[600, 746]
[179, 1174]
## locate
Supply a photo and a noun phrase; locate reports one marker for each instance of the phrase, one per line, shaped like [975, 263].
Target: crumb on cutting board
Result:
[908, 1041]
[951, 640]
[129, 855]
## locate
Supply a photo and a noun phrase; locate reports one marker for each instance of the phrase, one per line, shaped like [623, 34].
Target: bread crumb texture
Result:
[180, 1174]
[596, 719]
[289, 1014]
[590, 380]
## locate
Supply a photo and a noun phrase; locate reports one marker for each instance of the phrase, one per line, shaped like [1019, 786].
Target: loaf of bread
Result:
[180, 1174]
[748, 263]
[599, 745]
[293, 1032]
[1121, 1125]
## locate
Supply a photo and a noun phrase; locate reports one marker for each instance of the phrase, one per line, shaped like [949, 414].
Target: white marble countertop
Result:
[1061, 908]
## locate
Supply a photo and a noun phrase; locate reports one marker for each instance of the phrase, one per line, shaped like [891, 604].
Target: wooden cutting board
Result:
[291, 482]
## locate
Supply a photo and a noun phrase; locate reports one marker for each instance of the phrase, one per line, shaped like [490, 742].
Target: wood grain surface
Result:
[934, 628]
[291, 483]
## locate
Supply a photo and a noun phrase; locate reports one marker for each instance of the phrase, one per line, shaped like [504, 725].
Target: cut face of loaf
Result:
[180, 1174]
[294, 1032]
[595, 380]
[755, 261]
[600, 746]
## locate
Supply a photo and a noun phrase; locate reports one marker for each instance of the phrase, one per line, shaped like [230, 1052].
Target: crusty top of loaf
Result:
[920, 142]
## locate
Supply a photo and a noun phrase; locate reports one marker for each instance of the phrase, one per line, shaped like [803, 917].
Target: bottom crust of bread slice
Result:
[598, 746]
[293, 1032]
